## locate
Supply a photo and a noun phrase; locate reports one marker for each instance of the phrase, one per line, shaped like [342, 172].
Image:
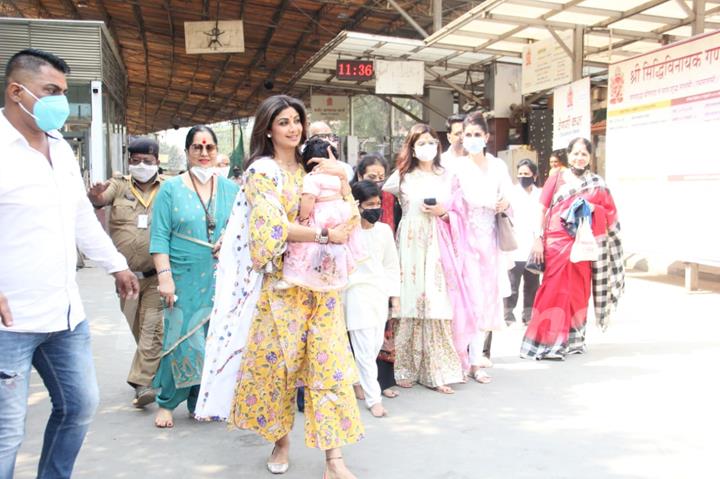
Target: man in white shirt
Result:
[320, 129]
[454, 126]
[44, 213]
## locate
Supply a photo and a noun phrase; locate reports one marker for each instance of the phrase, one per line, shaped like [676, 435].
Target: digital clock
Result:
[355, 70]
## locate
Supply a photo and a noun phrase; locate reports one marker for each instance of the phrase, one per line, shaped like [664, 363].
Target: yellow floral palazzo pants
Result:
[298, 338]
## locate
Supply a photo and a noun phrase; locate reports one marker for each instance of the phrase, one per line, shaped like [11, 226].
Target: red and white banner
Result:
[662, 158]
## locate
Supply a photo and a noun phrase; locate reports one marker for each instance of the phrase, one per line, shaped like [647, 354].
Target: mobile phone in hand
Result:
[430, 201]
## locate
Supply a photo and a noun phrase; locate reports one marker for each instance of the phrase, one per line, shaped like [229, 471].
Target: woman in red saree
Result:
[557, 326]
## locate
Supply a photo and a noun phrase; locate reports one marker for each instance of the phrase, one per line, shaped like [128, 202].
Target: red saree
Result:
[557, 326]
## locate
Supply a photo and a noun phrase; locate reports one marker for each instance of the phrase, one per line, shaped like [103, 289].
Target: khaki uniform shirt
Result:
[131, 240]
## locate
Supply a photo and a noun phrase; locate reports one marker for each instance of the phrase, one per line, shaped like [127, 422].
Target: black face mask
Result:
[578, 171]
[526, 181]
[371, 215]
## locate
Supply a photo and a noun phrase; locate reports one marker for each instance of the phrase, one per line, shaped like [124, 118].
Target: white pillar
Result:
[98, 169]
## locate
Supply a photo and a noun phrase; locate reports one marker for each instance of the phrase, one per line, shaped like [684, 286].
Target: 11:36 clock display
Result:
[355, 70]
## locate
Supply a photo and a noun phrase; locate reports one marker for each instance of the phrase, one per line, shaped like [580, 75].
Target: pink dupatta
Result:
[454, 242]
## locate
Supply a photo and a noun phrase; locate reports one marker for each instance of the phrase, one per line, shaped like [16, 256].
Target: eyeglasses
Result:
[327, 136]
[147, 159]
[198, 148]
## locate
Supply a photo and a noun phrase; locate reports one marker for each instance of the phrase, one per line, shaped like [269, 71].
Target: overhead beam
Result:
[276, 18]
[218, 77]
[42, 10]
[15, 7]
[428, 105]
[221, 73]
[141, 27]
[560, 41]
[659, 31]
[512, 20]
[688, 11]
[468, 95]
[629, 13]
[400, 108]
[187, 94]
[71, 8]
[597, 11]
[171, 73]
[409, 19]
[108, 21]
[284, 62]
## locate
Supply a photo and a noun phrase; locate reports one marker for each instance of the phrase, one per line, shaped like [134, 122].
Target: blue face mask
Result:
[473, 144]
[50, 112]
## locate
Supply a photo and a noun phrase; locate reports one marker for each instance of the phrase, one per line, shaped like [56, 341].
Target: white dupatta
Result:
[237, 290]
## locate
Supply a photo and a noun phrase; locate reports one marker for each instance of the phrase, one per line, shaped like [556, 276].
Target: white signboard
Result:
[399, 78]
[329, 108]
[546, 64]
[662, 160]
[225, 36]
[571, 112]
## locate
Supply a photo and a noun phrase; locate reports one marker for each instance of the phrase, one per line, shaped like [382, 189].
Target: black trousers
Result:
[531, 282]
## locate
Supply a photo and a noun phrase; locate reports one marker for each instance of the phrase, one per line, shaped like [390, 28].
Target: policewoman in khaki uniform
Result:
[131, 198]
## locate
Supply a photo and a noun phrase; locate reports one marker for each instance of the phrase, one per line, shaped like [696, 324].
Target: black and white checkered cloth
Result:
[608, 277]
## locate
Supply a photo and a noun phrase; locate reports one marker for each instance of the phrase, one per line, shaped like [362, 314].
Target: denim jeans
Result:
[64, 362]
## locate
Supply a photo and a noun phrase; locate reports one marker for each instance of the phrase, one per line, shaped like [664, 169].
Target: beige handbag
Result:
[505, 233]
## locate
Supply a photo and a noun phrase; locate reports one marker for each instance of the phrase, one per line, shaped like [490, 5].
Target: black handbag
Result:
[538, 267]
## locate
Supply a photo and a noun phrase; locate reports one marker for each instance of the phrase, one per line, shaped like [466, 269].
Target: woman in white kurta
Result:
[485, 187]
[423, 340]
[374, 281]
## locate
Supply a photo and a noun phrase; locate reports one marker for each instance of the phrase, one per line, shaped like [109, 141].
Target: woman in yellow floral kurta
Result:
[297, 336]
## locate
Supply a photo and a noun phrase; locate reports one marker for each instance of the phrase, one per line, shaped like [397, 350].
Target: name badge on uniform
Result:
[142, 222]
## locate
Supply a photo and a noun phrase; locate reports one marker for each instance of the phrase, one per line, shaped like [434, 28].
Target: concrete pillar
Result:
[698, 25]
[442, 100]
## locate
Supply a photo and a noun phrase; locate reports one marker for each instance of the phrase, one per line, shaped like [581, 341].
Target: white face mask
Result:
[474, 144]
[426, 152]
[143, 173]
[223, 171]
[202, 174]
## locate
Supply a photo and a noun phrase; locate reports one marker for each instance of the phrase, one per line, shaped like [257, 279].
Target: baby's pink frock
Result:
[323, 267]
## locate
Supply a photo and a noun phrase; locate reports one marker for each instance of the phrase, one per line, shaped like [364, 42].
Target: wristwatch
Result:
[324, 237]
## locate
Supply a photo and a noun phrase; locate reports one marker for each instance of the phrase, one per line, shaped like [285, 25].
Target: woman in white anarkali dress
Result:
[423, 340]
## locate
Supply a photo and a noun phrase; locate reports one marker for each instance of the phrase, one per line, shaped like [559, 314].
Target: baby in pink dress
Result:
[315, 266]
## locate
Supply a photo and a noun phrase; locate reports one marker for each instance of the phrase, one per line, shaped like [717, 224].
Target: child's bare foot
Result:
[378, 410]
[359, 393]
[164, 418]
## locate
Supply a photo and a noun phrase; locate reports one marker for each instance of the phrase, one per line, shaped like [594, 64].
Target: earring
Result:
[269, 135]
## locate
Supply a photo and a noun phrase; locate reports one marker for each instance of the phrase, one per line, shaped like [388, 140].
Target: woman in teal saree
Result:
[189, 216]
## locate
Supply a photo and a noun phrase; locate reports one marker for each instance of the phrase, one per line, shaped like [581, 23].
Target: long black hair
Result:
[260, 144]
